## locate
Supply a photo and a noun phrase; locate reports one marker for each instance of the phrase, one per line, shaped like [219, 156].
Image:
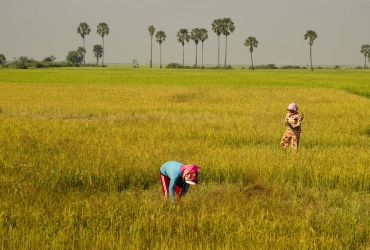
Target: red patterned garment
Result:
[293, 122]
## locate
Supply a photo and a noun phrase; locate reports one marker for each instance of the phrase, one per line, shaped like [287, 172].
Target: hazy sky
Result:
[40, 28]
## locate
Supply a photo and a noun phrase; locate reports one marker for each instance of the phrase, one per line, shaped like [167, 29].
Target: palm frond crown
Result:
[102, 29]
[311, 35]
[227, 26]
[98, 50]
[365, 49]
[83, 29]
[183, 36]
[251, 42]
[151, 29]
[160, 36]
[195, 35]
[217, 26]
[203, 34]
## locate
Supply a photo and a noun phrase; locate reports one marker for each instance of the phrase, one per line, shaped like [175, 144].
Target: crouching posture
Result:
[176, 178]
[293, 121]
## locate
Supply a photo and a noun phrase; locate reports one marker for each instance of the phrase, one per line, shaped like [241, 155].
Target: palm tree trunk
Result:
[365, 62]
[218, 63]
[183, 56]
[160, 56]
[202, 55]
[311, 57]
[252, 61]
[196, 55]
[151, 51]
[225, 52]
[102, 61]
[84, 51]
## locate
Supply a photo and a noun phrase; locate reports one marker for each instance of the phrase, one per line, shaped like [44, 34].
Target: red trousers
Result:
[165, 183]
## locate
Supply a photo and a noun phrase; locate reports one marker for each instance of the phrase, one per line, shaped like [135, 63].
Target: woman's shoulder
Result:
[171, 165]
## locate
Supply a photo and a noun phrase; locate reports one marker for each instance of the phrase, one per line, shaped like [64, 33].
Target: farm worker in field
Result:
[293, 121]
[176, 178]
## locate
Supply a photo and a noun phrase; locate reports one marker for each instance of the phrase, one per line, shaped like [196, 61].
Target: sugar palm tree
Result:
[102, 30]
[312, 36]
[182, 37]
[160, 37]
[195, 36]
[203, 35]
[251, 42]
[151, 30]
[365, 49]
[83, 29]
[227, 27]
[217, 28]
[98, 52]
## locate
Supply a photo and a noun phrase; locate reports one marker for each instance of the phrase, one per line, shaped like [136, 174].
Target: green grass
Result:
[81, 150]
[353, 81]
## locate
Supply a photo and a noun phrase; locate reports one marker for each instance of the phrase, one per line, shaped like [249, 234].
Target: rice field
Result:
[80, 152]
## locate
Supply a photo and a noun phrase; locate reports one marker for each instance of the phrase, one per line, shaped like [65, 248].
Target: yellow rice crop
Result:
[80, 152]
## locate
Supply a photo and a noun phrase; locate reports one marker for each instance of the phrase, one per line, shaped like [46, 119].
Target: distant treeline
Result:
[221, 26]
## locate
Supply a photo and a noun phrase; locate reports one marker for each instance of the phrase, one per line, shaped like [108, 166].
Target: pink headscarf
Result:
[193, 171]
[292, 107]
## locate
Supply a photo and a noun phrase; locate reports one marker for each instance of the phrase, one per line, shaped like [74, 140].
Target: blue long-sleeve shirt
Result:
[171, 169]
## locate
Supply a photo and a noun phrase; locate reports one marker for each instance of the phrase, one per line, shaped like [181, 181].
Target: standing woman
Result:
[293, 122]
[176, 178]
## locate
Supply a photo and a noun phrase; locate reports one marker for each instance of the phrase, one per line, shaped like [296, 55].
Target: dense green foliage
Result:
[73, 57]
[49, 59]
[98, 52]
[174, 66]
[21, 65]
[2, 58]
